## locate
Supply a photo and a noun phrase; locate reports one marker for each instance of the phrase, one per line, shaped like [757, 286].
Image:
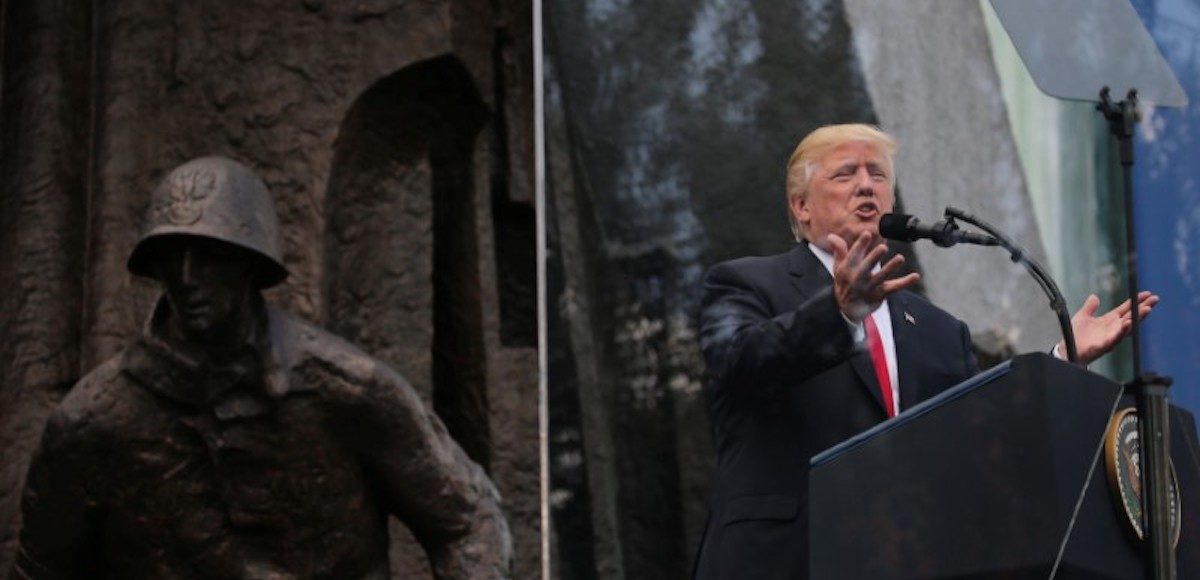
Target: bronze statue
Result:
[235, 441]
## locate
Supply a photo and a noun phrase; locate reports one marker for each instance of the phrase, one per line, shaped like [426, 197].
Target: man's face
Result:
[850, 189]
[207, 285]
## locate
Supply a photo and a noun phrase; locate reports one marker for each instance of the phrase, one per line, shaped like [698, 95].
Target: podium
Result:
[984, 480]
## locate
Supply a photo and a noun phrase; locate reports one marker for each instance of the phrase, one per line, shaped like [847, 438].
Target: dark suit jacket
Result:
[786, 381]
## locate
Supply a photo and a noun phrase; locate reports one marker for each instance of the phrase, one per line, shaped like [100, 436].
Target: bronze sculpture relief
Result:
[235, 441]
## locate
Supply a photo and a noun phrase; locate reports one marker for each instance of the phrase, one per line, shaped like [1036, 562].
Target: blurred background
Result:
[668, 127]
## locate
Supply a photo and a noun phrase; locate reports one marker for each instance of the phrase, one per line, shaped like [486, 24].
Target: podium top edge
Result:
[911, 414]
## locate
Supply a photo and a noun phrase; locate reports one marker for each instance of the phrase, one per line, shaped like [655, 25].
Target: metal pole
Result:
[1150, 389]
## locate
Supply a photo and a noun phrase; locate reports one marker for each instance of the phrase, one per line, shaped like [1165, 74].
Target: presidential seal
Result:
[1123, 460]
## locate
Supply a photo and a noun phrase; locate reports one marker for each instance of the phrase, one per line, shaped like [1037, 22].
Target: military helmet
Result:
[215, 198]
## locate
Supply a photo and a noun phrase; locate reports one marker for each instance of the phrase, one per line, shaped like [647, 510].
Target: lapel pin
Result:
[910, 319]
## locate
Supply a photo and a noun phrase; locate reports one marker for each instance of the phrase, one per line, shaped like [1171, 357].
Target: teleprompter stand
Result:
[1149, 388]
[1072, 48]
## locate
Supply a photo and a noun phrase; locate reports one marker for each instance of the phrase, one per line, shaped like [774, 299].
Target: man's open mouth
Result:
[867, 210]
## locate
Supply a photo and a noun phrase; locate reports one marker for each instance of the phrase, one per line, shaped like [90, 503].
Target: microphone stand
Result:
[1043, 279]
[1150, 388]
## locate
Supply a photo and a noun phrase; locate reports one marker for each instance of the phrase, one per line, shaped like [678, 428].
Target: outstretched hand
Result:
[1095, 336]
[859, 291]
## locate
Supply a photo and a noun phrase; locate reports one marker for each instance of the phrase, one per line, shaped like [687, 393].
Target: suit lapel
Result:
[809, 277]
[861, 361]
[904, 336]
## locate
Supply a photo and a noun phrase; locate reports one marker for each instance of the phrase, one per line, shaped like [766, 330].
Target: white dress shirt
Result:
[883, 321]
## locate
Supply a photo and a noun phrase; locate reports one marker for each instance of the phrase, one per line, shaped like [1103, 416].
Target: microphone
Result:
[945, 233]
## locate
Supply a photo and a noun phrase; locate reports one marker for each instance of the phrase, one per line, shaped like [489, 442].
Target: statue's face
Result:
[208, 285]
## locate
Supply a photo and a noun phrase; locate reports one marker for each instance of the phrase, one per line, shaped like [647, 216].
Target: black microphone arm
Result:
[945, 233]
[1044, 280]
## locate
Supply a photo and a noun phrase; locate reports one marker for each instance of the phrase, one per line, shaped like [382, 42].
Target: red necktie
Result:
[879, 359]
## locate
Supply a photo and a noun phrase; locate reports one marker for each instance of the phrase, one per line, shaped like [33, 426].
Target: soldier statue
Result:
[235, 441]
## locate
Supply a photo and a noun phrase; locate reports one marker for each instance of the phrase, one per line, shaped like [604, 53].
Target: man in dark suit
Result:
[807, 348]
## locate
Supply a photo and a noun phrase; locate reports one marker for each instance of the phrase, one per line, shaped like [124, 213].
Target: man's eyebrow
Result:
[847, 164]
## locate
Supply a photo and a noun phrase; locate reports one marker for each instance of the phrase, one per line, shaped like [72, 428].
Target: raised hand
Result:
[1095, 336]
[859, 291]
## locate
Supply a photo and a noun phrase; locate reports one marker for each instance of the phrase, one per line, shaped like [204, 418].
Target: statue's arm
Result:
[444, 498]
[56, 524]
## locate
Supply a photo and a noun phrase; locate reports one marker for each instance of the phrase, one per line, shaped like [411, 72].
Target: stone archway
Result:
[401, 244]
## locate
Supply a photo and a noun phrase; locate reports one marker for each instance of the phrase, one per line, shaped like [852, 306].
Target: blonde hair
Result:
[812, 148]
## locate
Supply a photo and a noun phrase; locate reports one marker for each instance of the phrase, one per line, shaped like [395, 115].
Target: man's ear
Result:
[798, 205]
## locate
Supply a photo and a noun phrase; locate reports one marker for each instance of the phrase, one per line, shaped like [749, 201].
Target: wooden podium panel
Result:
[982, 482]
